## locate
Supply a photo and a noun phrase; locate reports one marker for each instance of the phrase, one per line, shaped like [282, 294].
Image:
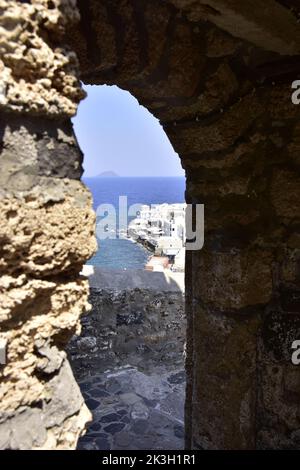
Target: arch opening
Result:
[129, 358]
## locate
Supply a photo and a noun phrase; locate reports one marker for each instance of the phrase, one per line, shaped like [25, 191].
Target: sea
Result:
[121, 253]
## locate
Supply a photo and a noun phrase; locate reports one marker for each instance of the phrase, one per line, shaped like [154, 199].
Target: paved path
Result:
[135, 410]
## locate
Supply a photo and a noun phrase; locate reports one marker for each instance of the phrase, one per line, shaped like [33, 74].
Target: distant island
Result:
[107, 174]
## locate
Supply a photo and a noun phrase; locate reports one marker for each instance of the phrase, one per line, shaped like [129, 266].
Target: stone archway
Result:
[218, 76]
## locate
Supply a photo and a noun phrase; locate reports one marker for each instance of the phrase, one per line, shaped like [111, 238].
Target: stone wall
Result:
[137, 318]
[46, 228]
[217, 74]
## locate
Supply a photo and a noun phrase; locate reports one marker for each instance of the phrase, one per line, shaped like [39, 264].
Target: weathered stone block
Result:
[234, 280]
[285, 194]
[224, 352]
[47, 230]
[278, 405]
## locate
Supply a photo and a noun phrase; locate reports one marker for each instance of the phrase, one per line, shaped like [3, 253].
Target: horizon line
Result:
[133, 176]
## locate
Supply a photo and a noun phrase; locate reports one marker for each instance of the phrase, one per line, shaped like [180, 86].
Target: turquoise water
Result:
[123, 253]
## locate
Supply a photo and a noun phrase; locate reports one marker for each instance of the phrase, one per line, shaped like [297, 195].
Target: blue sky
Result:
[116, 133]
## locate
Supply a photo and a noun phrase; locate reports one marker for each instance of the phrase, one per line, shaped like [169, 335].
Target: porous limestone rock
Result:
[37, 70]
[42, 298]
[46, 227]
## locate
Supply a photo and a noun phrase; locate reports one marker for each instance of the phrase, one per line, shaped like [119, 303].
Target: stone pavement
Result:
[135, 410]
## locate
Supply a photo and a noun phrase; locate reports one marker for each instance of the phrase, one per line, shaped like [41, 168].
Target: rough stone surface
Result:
[222, 92]
[43, 244]
[277, 32]
[137, 318]
[34, 149]
[134, 409]
[38, 70]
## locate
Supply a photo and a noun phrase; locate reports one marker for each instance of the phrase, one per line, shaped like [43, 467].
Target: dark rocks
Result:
[114, 427]
[138, 419]
[102, 444]
[99, 393]
[92, 404]
[110, 418]
[133, 318]
[137, 318]
[112, 386]
[178, 378]
[179, 431]
[140, 426]
[95, 427]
